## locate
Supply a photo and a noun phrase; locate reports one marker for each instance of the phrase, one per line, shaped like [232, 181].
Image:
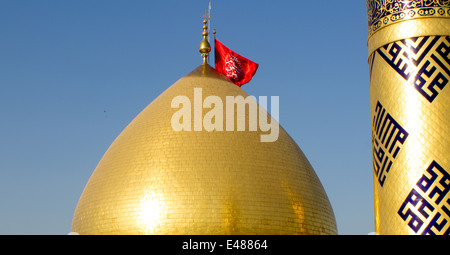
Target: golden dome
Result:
[155, 180]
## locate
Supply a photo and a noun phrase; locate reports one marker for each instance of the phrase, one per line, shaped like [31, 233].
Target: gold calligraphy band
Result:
[408, 29]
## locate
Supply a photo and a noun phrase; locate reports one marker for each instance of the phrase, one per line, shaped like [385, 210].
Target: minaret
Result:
[157, 179]
[409, 64]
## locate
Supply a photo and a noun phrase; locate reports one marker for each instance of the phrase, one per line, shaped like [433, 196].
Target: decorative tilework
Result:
[381, 13]
[387, 139]
[417, 60]
[426, 209]
[409, 91]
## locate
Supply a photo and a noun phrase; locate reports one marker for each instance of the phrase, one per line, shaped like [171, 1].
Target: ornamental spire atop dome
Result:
[205, 47]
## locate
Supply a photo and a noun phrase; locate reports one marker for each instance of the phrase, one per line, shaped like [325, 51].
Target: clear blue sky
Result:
[73, 74]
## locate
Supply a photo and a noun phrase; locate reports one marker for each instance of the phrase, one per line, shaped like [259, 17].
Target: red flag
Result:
[237, 68]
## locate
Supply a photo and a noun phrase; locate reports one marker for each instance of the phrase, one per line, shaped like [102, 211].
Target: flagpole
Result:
[214, 33]
[209, 27]
[209, 20]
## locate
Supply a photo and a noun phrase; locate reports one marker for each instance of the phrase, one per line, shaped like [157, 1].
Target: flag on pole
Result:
[237, 68]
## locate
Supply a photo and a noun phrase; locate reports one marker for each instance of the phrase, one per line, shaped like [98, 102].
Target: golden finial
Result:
[205, 47]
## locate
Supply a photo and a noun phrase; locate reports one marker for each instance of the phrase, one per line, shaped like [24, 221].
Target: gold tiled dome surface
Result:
[154, 180]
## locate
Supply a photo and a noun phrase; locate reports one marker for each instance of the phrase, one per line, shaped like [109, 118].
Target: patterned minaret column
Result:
[409, 65]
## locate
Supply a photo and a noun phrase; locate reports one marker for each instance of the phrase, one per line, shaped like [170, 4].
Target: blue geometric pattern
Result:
[427, 207]
[424, 62]
[388, 137]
